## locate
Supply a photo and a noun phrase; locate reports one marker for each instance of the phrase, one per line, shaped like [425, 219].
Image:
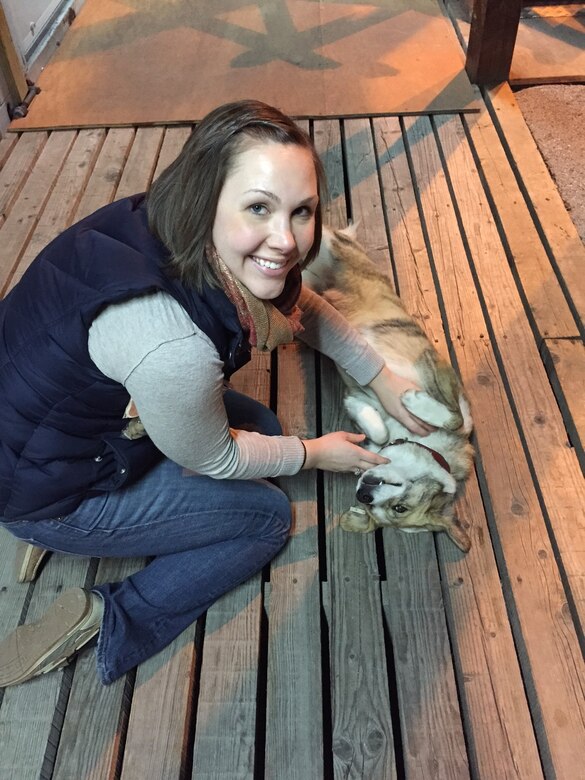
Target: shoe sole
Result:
[28, 561]
[37, 648]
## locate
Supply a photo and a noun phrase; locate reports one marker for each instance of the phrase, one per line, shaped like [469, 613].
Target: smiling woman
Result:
[148, 307]
[263, 230]
[241, 160]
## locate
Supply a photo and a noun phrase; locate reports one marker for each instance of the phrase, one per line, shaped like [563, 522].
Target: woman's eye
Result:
[258, 208]
[304, 211]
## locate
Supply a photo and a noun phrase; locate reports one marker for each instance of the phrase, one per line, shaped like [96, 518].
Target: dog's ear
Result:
[443, 516]
[458, 534]
[357, 520]
[351, 230]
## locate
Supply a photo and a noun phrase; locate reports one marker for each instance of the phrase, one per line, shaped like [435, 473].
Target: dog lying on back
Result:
[416, 490]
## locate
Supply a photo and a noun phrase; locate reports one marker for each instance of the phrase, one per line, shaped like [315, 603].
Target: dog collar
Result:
[436, 455]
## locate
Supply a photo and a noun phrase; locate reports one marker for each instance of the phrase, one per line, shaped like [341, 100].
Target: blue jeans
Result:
[207, 536]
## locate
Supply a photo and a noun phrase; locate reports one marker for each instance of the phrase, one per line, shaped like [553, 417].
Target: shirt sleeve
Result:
[174, 375]
[327, 331]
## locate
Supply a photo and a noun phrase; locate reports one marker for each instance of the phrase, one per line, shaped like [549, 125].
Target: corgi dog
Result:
[416, 489]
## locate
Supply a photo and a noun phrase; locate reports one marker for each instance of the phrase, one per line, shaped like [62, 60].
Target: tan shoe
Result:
[27, 561]
[33, 649]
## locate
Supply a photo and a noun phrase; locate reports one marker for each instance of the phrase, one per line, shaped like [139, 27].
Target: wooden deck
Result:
[380, 656]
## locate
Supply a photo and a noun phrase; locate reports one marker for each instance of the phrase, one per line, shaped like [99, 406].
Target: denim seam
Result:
[165, 521]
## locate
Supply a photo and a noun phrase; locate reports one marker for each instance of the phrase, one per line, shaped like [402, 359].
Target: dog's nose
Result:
[364, 497]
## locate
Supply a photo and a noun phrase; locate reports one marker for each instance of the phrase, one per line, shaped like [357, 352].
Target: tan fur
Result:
[412, 492]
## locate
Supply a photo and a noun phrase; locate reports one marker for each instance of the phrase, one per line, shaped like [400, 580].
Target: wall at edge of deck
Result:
[35, 67]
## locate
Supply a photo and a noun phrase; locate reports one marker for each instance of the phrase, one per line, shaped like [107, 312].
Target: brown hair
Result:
[182, 202]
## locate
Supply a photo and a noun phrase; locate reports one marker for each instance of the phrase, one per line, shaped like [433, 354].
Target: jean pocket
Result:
[85, 518]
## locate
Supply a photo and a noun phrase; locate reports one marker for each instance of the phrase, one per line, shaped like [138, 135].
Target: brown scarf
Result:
[265, 324]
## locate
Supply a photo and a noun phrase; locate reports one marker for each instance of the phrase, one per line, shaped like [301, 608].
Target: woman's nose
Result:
[282, 238]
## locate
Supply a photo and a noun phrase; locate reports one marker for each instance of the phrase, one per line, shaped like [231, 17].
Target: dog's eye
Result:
[400, 508]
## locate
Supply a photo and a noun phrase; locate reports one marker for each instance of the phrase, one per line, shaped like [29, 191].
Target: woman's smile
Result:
[270, 267]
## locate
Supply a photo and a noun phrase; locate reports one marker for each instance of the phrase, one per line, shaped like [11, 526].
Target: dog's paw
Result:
[356, 519]
[367, 419]
[431, 411]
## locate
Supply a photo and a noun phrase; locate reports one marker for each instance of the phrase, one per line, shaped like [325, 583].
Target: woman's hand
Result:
[388, 386]
[339, 451]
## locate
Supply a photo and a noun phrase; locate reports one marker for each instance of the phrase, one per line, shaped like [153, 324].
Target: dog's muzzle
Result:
[365, 491]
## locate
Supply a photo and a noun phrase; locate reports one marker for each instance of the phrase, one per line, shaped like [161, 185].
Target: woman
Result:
[147, 307]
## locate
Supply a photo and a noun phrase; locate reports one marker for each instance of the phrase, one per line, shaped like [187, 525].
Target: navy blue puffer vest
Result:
[60, 417]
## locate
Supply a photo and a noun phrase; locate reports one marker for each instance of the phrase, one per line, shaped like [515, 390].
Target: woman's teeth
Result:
[268, 263]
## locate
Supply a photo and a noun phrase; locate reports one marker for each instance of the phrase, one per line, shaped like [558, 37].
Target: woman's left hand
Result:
[389, 387]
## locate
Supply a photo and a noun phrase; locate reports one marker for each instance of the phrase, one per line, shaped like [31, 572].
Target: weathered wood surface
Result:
[521, 527]
[475, 608]
[382, 655]
[295, 685]
[431, 728]
[565, 362]
[362, 731]
[494, 27]
[561, 240]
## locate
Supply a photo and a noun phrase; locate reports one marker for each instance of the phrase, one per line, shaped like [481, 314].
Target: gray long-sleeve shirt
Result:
[174, 375]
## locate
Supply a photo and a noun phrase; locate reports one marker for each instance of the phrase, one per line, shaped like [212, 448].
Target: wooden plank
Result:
[144, 152]
[563, 488]
[500, 734]
[107, 172]
[13, 595]
[494, 26]
[364, 190]
[414, 280]
[6, 145]
[11, 63]
[327, 140]
[17, 169]
[362, 734]
[432, 733]
[565, 363]
[226, 708]
[545, 298]
[64, 199]
[294, 681]
[23, 217]
[28, 710]
[491, 688]
[92, 735]
[419, 636]
[173, 142]
[563, 244]
[545, 637]
[362, 731]
[158, 732]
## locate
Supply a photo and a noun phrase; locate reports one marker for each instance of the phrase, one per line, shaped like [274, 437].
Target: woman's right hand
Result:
[340, 451]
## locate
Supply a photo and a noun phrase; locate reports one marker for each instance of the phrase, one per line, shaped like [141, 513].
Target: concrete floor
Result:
[555, 114]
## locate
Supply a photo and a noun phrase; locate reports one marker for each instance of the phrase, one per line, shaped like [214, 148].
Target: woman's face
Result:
[265, 218]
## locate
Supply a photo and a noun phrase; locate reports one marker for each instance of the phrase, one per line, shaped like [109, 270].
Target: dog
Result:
[416, 490]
